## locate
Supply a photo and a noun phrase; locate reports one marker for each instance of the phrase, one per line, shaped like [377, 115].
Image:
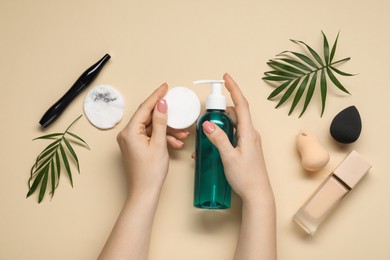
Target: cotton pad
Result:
[104, 106]
[183, 107]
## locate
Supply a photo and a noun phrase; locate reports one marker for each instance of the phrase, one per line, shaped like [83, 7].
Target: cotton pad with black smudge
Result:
[104, 106]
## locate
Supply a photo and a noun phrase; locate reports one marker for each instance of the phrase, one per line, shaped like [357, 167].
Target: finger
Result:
[231, 111]
[142, 115]
[244, 120]
[159, 122]
[178, 133]
[219, 138]
[174, 143]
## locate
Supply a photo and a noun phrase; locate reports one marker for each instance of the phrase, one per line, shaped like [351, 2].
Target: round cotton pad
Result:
[183, 107]
[104, 106]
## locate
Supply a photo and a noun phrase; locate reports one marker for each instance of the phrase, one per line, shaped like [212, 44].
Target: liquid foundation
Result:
[331, 192]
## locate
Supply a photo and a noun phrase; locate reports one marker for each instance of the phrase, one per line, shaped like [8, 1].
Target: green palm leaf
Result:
[326, 49]
[46, 152]
[58, 164]
[66, 163]
[293, 72]
[309, 93]
[279, 73]
[336, 82]
[53, 179]
[36, 182]
[49, 136]
[279, 89]
[41, 163]
[324, 90]
[342, 73]
[288, 93]
[43, 186]
[297, 64]
[70, 149]
[47, 166]
[78, 138]
[276, 78]
[299, 93]
[285, 67]
[313, 52]
[303, 58]
[334, 47]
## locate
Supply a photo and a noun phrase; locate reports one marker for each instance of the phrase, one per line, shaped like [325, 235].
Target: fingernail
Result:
[208, 127]
[162, 106]
[179, 142]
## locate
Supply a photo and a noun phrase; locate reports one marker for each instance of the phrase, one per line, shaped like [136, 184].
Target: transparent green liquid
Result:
[212, 191]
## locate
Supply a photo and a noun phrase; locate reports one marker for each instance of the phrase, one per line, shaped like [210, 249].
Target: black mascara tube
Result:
[82, 83]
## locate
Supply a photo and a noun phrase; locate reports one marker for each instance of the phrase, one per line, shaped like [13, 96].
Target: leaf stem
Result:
[343, 60]
[71, 125]
[322, 67]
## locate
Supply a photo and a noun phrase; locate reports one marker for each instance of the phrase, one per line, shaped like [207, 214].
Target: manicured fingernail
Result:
[162, 106]
[208, 127]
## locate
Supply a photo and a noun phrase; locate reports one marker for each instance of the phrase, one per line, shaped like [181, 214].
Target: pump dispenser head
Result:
[215, 100]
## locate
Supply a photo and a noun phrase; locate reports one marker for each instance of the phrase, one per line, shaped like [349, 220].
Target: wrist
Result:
[258, 198]
[146, 196]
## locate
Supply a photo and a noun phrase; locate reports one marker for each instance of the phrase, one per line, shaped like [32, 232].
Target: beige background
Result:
[46, 45]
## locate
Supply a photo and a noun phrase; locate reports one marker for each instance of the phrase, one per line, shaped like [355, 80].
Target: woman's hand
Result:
[143, 143]
[246, 173]
[244, 164]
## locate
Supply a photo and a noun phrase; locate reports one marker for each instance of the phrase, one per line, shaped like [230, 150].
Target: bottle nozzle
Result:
[207, 81]
[215, 100]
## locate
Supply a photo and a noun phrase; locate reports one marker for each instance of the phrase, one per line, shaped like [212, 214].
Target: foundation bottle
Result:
[331, 192]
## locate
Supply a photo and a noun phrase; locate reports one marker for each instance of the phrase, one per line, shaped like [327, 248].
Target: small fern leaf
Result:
[292, 70]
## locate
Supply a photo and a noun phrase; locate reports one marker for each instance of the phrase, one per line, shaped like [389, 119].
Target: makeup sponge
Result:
[104, 106]
[313, 155]
[346, 126]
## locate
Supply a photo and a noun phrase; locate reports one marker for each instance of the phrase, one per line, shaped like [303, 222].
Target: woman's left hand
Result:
[143, 143]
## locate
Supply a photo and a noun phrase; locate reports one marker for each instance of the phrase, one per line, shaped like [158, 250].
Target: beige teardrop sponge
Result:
[313, 155]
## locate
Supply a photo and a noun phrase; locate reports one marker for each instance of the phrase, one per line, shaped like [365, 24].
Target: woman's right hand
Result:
[244, 164]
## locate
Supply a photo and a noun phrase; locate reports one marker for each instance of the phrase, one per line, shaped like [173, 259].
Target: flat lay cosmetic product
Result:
[346, 126]
[313, 155]
[211, 191]
[81, 83]
[104, 106]
[183, 107]
[331, 192]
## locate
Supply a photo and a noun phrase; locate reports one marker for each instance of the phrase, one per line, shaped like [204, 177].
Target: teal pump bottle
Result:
[212, 191]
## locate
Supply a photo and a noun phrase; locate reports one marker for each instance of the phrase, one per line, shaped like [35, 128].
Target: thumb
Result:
[218, 138]
[159, 122]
